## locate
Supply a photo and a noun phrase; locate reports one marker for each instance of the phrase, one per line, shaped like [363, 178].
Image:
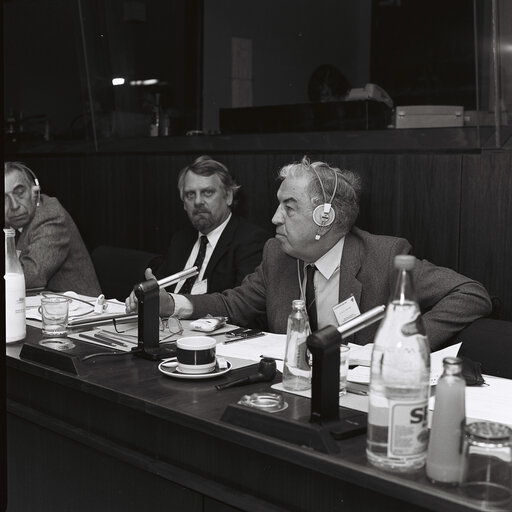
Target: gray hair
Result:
[322, 183]
[10, 167]
[206, 166]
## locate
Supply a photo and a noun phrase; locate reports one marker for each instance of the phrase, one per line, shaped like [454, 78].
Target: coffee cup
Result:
[196, 354]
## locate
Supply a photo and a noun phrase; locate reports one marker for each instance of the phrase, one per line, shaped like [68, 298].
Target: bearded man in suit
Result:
[318, 206]
[224, 246]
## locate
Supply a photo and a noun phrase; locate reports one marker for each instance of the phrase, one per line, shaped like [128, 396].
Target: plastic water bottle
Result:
[15, 320]
[397, 436]
[296, 368]
[445, 448]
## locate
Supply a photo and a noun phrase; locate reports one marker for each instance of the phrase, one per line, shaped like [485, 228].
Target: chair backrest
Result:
[119, 269]
[489, 342]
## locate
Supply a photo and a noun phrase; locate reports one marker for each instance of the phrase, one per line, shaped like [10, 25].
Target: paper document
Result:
[81, 307]
[488, 402]
[269, 345]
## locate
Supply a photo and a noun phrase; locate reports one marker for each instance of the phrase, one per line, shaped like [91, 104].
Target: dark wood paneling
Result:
[486, 217]
[50, 472]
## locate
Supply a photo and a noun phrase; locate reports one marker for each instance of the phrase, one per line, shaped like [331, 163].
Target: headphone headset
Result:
[36, 188]
[324, 214]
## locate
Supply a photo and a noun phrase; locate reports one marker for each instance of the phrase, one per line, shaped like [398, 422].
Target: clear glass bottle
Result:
[15, 320]
[445, 447]
[399, 381]
[296, 368]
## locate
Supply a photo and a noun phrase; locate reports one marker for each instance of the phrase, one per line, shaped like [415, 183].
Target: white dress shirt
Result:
[213, 238]
[326, 282]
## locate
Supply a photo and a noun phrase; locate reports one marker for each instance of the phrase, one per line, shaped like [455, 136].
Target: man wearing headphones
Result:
[319, 255]
[51, 250]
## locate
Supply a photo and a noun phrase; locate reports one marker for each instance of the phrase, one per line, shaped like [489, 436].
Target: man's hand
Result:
[166, 301]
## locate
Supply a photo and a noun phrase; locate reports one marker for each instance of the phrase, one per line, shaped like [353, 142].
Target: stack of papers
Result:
[81, 308]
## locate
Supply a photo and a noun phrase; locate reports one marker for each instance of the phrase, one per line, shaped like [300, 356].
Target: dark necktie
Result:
[187, 286]
[310, 297]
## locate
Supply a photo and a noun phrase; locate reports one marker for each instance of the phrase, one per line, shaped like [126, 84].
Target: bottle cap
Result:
[405, 261]
[9, 231]
[298, 303]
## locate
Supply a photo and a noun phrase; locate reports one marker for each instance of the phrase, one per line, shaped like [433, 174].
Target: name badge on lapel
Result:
[346, 310]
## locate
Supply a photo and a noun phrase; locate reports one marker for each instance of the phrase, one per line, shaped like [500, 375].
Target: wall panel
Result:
[486, 217]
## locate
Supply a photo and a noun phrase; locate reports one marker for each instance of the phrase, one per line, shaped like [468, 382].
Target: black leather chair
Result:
[489, 342]
[119, 269]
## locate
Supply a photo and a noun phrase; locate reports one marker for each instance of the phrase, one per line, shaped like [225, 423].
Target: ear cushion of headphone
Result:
[323, 219]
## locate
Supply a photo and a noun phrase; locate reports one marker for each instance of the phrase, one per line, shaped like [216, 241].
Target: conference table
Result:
[120, 435]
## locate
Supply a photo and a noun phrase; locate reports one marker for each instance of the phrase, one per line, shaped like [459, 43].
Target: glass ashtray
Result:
[57, 344]
[270, 402]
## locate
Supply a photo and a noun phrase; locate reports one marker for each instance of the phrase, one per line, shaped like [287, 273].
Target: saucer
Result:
[174, 372]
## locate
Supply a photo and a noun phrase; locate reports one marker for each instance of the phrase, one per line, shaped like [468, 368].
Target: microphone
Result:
[266, 371]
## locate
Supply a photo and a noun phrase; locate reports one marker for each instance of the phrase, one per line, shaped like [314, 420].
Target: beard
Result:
[201, 219]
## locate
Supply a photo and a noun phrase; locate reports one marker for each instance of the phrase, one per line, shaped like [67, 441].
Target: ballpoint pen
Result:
[357, 392]
[242, 337]
[102, 341]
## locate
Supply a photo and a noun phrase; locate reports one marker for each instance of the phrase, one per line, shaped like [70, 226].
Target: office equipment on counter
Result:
[429, 116]
[324, 426]
[147, 293]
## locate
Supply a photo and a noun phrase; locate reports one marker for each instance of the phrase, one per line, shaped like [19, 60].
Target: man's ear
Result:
[229, 197]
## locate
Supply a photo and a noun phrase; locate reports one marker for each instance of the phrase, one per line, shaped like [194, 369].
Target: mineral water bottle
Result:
[15, 320]
[445, 447]
[399, 381]
[296, 368]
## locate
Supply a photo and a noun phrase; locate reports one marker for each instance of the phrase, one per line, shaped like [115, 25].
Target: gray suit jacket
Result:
[53, 254]
[448, 300]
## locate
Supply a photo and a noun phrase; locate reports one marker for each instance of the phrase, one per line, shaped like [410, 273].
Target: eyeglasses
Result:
[168, 328]
[172, 325]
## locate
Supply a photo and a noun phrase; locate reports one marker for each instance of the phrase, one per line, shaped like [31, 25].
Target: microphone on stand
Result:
[266, 371]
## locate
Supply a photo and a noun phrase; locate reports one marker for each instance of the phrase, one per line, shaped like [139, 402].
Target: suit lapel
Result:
[349, 267]
[222, 245]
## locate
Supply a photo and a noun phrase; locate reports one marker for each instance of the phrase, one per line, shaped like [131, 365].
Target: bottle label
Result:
[408, 428]
[301, 356]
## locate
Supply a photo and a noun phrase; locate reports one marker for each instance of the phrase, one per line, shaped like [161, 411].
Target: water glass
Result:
[487, 473]
[54, 314]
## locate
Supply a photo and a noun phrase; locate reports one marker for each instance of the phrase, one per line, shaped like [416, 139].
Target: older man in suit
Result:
[52, 252]
[223, 246]
[319, 255]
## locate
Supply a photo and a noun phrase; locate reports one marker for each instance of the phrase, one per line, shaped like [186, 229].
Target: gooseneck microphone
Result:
[266, 371]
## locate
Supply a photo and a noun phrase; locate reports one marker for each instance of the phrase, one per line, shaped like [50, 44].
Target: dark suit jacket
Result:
[53, 254]
[448, 300]
[237, 253]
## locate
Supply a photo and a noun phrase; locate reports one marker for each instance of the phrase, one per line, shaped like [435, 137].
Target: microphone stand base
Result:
[298, 431]
[156, 354]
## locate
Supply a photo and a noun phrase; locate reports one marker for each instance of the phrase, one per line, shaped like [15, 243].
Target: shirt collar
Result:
[213, 236]
[330, 261]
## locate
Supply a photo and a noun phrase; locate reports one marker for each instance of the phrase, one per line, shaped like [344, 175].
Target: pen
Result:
[357, 392]
[244, 337]
[105, 338]
[99, 340]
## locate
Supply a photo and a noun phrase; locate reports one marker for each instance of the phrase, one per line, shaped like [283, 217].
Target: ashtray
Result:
[57, 344]
[270, 402]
